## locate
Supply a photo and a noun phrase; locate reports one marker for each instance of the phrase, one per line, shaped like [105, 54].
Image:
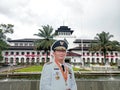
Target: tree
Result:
[4, 29]
[47, 35]
[104, 44]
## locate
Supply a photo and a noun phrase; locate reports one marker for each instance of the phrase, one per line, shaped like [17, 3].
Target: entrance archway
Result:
[68, 60]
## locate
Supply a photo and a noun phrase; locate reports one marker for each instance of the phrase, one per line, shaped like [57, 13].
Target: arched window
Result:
[6, 60]
[11, 60]
[97, 60]
[38, 60]
[43, 59]
[33, 60]
[17, 60]
[22, 53]
[6, 53]
[27, 60]
[22, 60]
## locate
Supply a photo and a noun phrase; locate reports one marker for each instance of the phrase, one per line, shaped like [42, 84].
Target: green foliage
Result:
[103, 44]
[47, 35]
[35, 68]
[38, 68]
[75, 69]
[4, 29]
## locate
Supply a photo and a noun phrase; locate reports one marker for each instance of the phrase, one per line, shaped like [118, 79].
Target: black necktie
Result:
[63, 67]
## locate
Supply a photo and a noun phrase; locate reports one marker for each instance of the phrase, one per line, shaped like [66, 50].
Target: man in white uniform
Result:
[58, 75]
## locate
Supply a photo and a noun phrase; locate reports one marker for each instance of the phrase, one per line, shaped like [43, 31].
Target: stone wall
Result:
[81, 84]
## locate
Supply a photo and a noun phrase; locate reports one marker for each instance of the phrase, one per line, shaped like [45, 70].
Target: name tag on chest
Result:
[56, 68]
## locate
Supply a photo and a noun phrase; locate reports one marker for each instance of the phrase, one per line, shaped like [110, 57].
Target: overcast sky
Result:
[85, 17]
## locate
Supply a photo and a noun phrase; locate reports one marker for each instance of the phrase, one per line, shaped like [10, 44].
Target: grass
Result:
[76, 69]
[35, 68]
[38, 68]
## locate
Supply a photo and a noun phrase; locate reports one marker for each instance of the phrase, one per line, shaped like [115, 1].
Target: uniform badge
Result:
[57, 77]
[61, 42]
[70, 73]
[56, 68]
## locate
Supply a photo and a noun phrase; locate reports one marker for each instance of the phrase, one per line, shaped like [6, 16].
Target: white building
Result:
[23, 51]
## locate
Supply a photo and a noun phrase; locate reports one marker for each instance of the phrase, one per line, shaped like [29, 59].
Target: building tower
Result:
[65, 33]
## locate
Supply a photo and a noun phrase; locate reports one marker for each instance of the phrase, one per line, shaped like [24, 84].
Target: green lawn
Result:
[36, 68]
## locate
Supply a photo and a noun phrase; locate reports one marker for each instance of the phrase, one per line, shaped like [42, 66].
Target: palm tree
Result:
[47, 35]
[4, 29]
[103, 44]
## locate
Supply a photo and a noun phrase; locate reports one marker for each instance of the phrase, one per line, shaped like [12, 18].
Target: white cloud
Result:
[87, 17]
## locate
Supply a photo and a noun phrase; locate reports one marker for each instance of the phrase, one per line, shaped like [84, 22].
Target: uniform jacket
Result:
[52, 79]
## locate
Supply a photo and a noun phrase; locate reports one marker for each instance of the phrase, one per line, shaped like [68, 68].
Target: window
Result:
[43, 59]
[80, 45]
[112, 60]
[88, 53]
[107, 54]
[22, 53]
[92, 54]
[83, 54]
[11, 60]
[74, 60]
[27, 60]
[84, 45]
[38, 60]
[116, 54]
[17, 60]
[28, 52]
[88, 59]
[102, 54]
[88, 45]
[97, 60]
[16, 44]
[6, 53]
[21, 44]
[116, 59]
[30, 44]
[26, 44]
[111, 53]
[33, 52]
[93, 60]
[33, 60]
[97, 54]
[22, 60]
[83, 58]
[43, 53]
[17, 53]
[12, 53]
[6, 60]
[38, 53]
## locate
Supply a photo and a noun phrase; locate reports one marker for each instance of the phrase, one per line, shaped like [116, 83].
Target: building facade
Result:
[22, 51]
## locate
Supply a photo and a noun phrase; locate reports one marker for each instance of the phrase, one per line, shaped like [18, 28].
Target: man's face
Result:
[60, 54]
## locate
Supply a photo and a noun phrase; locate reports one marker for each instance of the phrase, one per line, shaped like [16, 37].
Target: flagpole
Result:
[82, 51]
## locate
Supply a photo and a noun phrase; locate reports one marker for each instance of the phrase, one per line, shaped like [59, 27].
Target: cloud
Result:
[87, 17]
